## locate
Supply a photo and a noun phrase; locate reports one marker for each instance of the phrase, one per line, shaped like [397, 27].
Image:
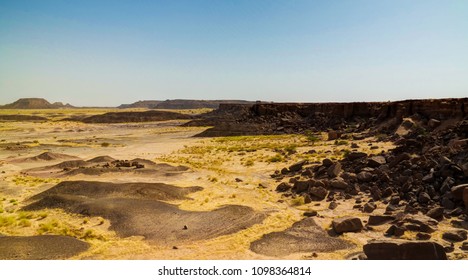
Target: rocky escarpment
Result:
[277, 118]
[181, 104]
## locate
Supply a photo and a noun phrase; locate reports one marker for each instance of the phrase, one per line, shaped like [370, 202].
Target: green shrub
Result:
[276, 158]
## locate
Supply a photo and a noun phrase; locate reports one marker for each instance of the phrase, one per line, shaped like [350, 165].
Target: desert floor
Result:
[231, 171]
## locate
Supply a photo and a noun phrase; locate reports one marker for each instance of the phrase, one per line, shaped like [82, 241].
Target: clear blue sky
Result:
[112, 52]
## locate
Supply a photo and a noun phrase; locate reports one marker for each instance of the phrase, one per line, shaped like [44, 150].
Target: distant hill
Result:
[141, 104]
[181, 104]
[35, 103]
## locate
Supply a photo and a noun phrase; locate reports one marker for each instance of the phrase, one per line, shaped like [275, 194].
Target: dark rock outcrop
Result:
[404, 250]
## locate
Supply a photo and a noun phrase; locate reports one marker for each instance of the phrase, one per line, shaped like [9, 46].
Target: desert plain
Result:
[246, 182]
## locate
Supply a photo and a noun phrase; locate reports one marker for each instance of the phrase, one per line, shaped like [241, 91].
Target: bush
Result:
[341, 142]
[298, 201]
[290, 149]
[276, 158]
[105, 144]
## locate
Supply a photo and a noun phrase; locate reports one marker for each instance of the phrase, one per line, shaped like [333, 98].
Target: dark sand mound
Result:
[47, 156]
[304, 236]
[106, 164]
[43, 247]
[132, 212]
[159, 222]
[90, 189]
[20, 118]
[147, 116]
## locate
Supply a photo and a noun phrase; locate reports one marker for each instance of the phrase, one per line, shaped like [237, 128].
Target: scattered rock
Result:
[334, 170]
[457, 191]
[375, 220]
[347, 224]
[283, 187]
[433, 123]
[394, 230]
[332, 205]
[364, 176]
[455, 235]
[327, 162]
[355, 155]
[300, 186]
[318, 192]
[333, 135]
[339, 184]
[297, 166]
[310, 213]
[376, 161]
[436, 213]
[369, 207]
[423, 236]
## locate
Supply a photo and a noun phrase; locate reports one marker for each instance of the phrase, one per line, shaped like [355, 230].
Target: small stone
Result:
[457, 191]
[394, 230]
[347, 224]
[283, 187]
[327, 162]
[319, 192]
[376, 161]
[185, 228]
[436, 213]
[355, 155]
[332, 205]
[376, 220]
[334, 170]
[423, 236]
[339, 184]
[333, 135]
[364, 176]
[424, 198]
[369, 207]
[297, 166]
[300, 186]
[455, 235]
[311, 213]
[433, 123]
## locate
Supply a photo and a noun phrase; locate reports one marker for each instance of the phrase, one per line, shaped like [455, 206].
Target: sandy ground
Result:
[231, 171]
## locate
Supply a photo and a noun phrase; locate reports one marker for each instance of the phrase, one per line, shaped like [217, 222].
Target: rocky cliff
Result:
[273, 118]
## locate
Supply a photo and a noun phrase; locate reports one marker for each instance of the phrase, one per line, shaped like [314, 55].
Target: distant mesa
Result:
[35, 103]
[182, 104]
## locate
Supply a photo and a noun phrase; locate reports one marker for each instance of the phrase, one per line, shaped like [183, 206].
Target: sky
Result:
[105, 53]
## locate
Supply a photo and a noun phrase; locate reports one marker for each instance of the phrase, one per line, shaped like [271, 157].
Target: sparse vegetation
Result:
[341, 142]
[276, 158]
[298, 201]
